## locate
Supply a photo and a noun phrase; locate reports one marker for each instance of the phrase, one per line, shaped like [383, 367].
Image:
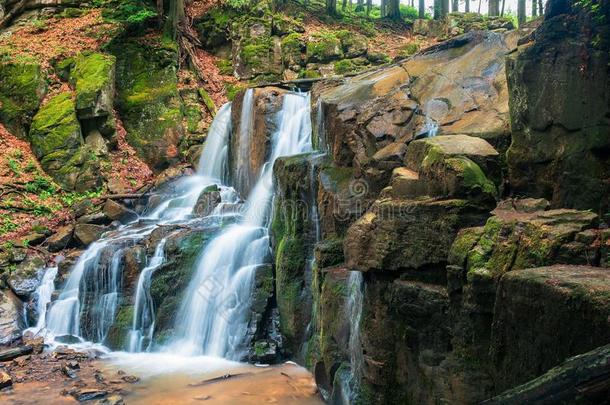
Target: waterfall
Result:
[350, 387]
[213, 316]
[43, 294]
[143, 324]
[90, 280]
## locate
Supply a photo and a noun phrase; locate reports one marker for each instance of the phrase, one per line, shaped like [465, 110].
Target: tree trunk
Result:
[521, 17]
[441, 8]
[467, 6]
[540, 7]
[382, 6]
[502, 11]
[369, 6]
[479, 11]
[360, 6]
[494, 8]
[331, 7]
[344, 5]
[422, 8]
[455, 6]
[393, 9]
[534, 9]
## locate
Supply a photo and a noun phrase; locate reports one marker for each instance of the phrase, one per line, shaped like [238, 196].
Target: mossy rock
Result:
[57, 142]
[148, 100]
[214, 27]
[353, 44]
[324, 47]
[118, 334]
[22, 87]
[284, 25]
[93, 77]
[293, 47]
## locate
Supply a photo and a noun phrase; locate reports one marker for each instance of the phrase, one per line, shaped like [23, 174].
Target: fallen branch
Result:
[15, 352]
[218, 379]
[14, 12]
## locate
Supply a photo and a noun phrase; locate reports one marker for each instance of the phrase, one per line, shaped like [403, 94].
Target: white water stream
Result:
[212, 319]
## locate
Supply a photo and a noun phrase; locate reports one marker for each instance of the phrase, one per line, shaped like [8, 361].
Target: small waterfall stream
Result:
[212, 319]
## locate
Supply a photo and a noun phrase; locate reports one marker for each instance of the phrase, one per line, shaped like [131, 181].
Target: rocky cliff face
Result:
[559, 87]
[415, 192]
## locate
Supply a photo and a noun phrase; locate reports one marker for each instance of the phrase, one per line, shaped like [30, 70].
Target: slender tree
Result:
[344, 5]
[534, 9]
[422, 8]
[393, 9]
[479, 11]
[521, 12]
[360, 6]
[540, 7]
[502, 11]
[494, 8]
[441, 8]
[369, 6]
[331, 7]
[467, 6]
[455, 6]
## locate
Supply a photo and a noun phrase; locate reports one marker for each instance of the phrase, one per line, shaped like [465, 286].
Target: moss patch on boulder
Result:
[22, 86]
[93, 78]
[148, 100]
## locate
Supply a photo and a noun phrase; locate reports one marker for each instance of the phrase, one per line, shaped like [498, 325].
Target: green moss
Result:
[117, 338]
[148, 100]
[409, 49]
[345, 66]
[55, 126]
[473, 176]
[323, 47]
[92, 75]
[207, 100]
[22, 86]
[467, 238]
[225, 66]
[309, 74]
[232, 90]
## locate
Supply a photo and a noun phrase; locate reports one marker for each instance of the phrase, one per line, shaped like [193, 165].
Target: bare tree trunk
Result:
[331, 7]
[540, 7]
[502, 11]
[455, 6]
[534, 9]
[422, 8]
[393, 9]
[360, 6]
[344, 5]
[479, 11]
[369, 6]
[494, 8]
[467, 6]
[521, 17]
[383, 8]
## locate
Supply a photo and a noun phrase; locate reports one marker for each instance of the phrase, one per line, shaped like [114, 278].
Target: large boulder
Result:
[255, 51]
[93, 77]
[58, 144]
[560, 114]
[574, 307]
[25, 278]
[148, 100]
[22, 86]
[10, 318]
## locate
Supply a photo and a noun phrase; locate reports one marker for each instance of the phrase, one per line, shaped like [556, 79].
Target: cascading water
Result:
[100, 285]
[212, 319]
[213, 316]
[43, 294]
[143, 324]
[354, 313]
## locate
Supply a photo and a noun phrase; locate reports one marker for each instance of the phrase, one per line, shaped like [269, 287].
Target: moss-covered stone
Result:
[353, 44]
[293, 47]
[22, 86]
[148, 100]
[118, 335]
[57, 142]
[324, 47]
[93, 77]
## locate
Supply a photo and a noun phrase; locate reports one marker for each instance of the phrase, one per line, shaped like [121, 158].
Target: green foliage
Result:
[70, 199]
[409, 13]
[232, 90]
[6, 224]
[225, 66]
[135, 13]
[14, 166]
[40, 184]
